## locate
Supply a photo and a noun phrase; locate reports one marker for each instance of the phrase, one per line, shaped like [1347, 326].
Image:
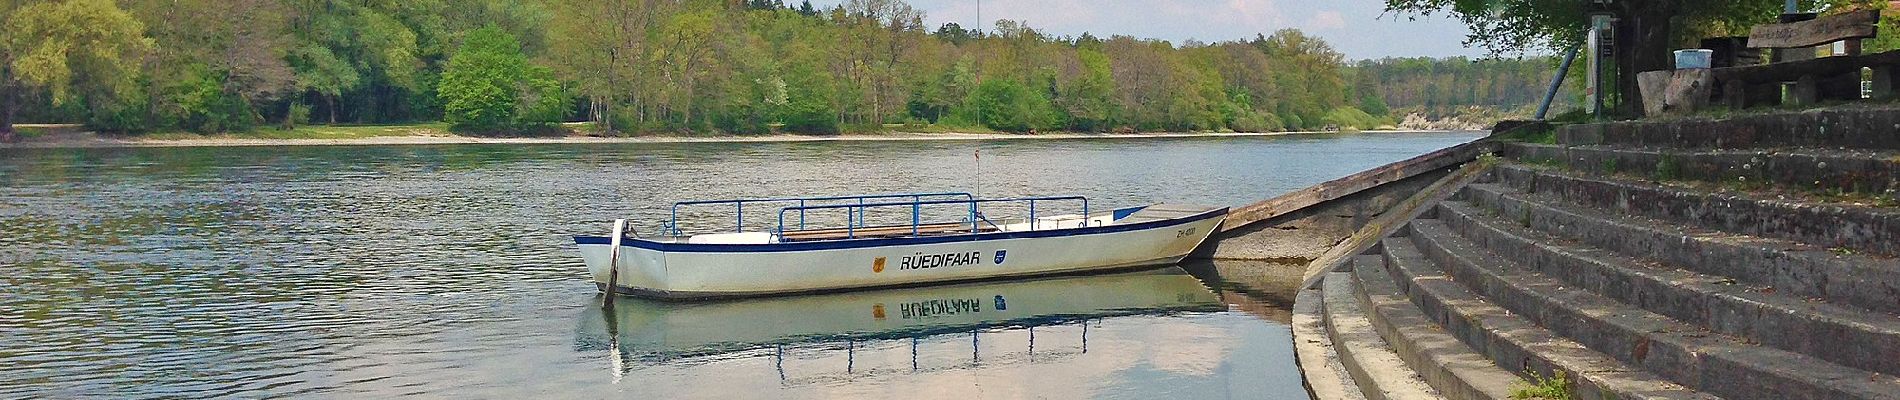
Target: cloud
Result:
[1328, 20]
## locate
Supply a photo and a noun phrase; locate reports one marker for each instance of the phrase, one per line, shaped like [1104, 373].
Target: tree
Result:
[807, 106]
[1007, 105]
[1647, 31]
[595, 46]
[66, 49]
[489, 86]
[222, 63]
[683, 47]
[1089, 98]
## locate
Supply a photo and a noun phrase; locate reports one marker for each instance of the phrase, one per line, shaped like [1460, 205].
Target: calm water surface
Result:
[448, 271]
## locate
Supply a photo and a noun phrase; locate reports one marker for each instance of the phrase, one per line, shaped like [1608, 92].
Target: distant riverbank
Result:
[425, 135]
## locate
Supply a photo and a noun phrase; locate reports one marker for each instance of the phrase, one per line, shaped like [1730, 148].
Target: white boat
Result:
[801, 257]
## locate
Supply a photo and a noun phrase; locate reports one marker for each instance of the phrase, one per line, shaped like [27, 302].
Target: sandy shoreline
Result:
[88, 140]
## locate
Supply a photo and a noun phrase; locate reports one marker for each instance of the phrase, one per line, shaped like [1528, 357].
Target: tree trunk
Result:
[332, 100]
[8, 104]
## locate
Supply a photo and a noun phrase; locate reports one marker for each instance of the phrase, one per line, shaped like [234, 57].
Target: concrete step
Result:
[1786, 266]
[1862, 128]
[1846, 228]
[1754, 312]
[1508, 340]
[1313, 350]
[1695, 357]
[1374, 366]
[1869, 173]
[1446, 364]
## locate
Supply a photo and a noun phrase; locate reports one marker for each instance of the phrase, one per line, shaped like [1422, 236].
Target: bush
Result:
[1292, 122]
[489, 87]
[202, 105]
[809, 115]
[299, 113]
[129, 117]
[1006, 105]
[808, 106]
[1254, 121]
[1349, 117]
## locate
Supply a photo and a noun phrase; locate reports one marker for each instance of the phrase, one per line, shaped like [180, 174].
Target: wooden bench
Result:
[1814, 79]
[880, 231]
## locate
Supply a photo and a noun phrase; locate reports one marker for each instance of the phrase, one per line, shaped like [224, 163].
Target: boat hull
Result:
[697, 271]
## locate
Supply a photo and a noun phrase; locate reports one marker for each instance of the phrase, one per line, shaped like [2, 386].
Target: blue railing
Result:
[672, 223]
[854, 212]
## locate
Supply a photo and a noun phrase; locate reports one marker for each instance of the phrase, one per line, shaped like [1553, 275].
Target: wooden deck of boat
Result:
[1162, 212]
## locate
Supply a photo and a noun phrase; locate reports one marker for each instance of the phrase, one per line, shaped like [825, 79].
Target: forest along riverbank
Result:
[92, 140]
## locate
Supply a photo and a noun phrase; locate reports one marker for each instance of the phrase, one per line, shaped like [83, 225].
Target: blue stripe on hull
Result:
[862, 243]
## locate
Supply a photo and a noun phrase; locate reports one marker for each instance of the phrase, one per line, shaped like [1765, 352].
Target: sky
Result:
[1361, 29]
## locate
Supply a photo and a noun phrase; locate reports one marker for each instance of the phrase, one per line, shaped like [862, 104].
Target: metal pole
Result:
[971, 217]
[1557, 82]
[1593, 94]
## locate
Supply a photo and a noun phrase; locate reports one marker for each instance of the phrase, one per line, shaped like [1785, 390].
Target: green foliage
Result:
[489, 86]
[1668, 168]
[70, 50]
[807, 107]
[1555, 387]
[1503, 25]
[66, 47]
[1651, 28]
[320, 71]
[1089, 98]
[1255, 121]
[299, 113]
[1349, 117]
[675, 66]
[1374, 104]
[1007, 105]
[200, 104]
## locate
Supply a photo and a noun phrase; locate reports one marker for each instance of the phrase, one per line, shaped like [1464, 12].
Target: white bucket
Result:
[1694, 58]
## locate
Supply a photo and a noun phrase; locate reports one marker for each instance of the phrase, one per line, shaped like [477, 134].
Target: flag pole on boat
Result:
[977, 187]
[613, 259]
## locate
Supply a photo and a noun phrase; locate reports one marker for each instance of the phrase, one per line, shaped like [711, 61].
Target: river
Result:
[449, 271]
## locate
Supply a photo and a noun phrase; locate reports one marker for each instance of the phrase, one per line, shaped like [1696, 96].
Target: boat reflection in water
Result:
[790, 329]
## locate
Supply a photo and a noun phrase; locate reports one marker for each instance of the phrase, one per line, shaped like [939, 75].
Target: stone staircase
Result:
[1641, 263]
